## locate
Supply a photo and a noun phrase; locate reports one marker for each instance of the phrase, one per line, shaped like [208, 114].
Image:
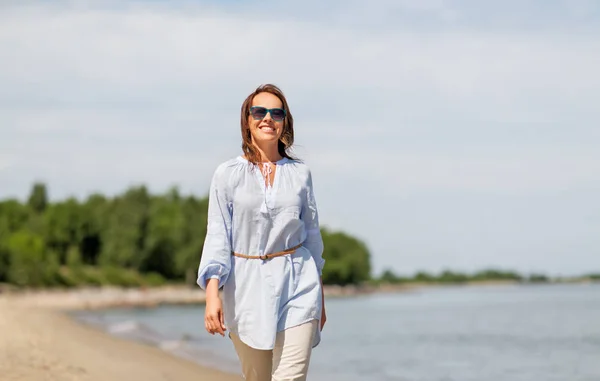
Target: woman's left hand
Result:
[323, 314]
[323, 317]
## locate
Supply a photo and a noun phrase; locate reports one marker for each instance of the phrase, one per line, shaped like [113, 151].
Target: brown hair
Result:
[287, 136]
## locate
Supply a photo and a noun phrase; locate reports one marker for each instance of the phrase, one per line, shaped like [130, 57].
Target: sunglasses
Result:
[259, 112]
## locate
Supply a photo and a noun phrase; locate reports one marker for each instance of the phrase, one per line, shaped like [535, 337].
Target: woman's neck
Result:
[269, 153]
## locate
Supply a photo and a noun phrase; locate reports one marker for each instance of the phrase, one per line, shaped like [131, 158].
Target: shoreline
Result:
[41, 341]
[91, 298]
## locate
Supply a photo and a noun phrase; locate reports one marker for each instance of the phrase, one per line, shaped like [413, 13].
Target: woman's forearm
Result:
[212, 288]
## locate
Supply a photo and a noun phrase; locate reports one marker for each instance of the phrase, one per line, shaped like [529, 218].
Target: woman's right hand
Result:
[214, 321]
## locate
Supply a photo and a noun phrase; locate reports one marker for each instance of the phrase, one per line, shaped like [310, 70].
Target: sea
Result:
[456, 333]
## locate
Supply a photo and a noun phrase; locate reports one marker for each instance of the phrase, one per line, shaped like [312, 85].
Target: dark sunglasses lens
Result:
[258, 112]
[277, 114]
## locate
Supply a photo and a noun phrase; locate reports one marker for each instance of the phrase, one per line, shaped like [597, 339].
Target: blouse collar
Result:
[278, 162]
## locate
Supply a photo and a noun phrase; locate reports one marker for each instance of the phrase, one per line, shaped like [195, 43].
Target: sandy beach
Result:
[38, 341]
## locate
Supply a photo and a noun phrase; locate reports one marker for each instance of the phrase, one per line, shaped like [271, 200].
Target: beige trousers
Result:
[288, 361]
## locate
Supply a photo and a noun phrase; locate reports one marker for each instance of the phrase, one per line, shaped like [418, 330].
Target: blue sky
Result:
[445, 134]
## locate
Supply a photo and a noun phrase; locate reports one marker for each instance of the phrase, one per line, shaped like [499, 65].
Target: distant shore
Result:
[111, 297]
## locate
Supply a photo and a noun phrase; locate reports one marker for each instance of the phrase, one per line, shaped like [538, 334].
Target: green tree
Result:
[347, 259]
[62, 227]
[538, 278]
[30, 265]
[129, 239]
[388, 276]
[92, 225]
[193, 232]
[4, 257]
[163, 237]
[38, 198]
[423, 276]
[492, 274]
[127, 224]
[13, 215]
[448, 276]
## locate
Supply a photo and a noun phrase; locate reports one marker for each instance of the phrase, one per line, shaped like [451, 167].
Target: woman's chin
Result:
[265, 138]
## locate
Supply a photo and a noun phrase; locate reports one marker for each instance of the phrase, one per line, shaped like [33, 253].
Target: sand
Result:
[39, 342]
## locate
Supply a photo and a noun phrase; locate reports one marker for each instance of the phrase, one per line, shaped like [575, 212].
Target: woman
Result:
[264, 248]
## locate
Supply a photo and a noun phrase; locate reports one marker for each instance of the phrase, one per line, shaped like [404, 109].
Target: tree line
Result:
[132, 239]
[139, 239]
[456, 277]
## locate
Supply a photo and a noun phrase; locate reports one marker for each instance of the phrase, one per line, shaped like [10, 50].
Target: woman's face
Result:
[266, 129]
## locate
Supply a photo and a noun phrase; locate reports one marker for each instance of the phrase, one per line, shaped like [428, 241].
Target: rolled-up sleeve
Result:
[310, 216]
[215, 262]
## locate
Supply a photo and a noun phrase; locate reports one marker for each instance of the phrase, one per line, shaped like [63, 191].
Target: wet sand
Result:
[38, 341]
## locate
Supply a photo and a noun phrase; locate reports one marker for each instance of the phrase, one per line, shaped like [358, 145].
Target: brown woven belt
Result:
[269, 256]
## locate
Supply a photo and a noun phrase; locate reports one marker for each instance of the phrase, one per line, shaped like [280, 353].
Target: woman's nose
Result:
[268, 116]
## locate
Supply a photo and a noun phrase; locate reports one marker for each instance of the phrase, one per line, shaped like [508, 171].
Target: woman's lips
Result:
[266, 128]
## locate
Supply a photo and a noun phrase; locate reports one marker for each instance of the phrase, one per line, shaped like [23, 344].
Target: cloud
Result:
[392, 100]
[182, 52]
[6, 162]
[510, 173]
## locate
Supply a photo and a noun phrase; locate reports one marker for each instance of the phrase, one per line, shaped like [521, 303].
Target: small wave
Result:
[171, 345]
[93, 320]
[200, 356]
[190, 338]
[185, 345]
[135, 330]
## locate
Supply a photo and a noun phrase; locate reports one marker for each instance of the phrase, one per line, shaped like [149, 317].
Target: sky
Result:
[456, 135]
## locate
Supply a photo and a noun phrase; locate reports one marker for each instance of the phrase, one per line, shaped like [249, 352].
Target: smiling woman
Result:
[264, 248]
[271, 125]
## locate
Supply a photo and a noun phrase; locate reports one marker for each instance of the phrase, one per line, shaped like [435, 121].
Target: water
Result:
[499, 333]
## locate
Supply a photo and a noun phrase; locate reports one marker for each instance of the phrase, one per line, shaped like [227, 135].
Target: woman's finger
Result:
[216, 325]
[223, 321]
[210, 327]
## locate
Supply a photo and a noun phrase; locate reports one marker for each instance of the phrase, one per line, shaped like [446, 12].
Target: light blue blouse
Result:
[246, 216]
